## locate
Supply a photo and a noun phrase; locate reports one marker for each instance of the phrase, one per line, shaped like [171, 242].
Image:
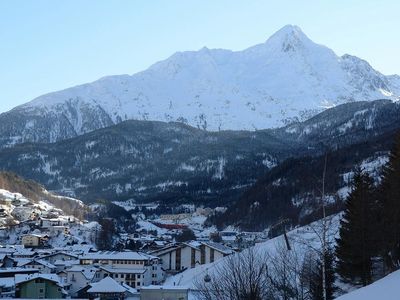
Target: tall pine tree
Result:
[355, 245]
[389, 204]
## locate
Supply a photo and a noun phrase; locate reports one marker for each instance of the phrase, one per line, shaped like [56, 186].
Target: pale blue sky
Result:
[47, 45]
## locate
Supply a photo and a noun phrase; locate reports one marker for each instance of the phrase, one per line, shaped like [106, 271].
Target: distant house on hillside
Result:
[34, 240]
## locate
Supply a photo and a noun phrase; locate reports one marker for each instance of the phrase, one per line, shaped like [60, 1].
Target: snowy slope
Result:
[302, 240]
[288, 77]
[387, 288]
[17, 208]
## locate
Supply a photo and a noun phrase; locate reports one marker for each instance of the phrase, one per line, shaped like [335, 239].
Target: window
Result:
[202, 254]
[122, 275]
[178, 257]
[193, 258]
[138, 284]
[41, 291]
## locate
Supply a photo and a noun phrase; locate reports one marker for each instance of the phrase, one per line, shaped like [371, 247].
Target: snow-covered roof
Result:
[20, 278]
[159, 243]
[7, 282]
[116, 255]
[24, 251]
[67, 263]
[40, 262]
[38, 235]
[130, 289]
[166, 249]
[61, 253]
[21, 261]
[7, 250]
[228, 238]
[193, 244]
[164, 287]
[88, 272]
[219, 247]
[123, 270]
[216, 246]
[106, 285]
[17, 270]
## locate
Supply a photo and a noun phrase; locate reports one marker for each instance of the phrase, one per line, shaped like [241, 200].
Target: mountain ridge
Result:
[287, 78]
[157, 161]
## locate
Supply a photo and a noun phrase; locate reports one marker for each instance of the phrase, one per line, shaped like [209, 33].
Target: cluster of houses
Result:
[36, 268]
[80, 271]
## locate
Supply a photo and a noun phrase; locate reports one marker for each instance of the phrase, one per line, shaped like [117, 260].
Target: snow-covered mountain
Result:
[286, 78]
[158, 161]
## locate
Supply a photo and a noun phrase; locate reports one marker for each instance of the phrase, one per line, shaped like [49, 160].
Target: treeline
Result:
[368, 246]
[272, 197]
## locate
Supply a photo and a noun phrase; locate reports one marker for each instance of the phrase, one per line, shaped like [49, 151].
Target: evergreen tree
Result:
[106, 234]
[355, 245]
[389, 204]
[185, 236]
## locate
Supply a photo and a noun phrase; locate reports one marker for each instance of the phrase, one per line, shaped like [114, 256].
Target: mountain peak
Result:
[289, 38]
[289, 29]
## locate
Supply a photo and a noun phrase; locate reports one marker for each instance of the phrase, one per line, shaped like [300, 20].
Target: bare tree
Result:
[325, 233]
[243, 276]
[285, 267]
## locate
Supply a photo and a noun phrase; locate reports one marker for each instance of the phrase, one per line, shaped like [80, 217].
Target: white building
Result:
[33, 240]
[178, 257]
[132, 268]
[79, 277]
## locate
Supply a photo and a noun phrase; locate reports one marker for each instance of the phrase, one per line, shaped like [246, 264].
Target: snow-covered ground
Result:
[302, 240]
[387, 288]
[17, 209]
